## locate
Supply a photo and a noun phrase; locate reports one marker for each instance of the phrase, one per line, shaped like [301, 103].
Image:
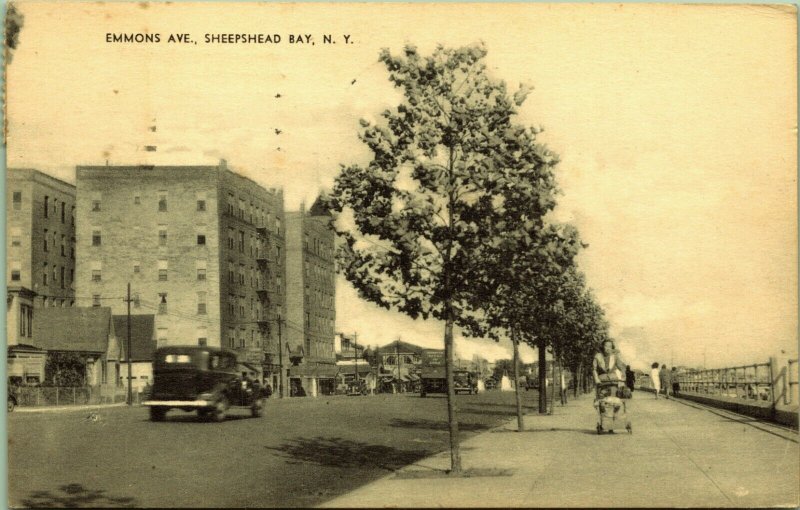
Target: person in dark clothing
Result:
[630, 378]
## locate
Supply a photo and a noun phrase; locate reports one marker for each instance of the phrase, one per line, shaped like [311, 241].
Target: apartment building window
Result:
[137, 198]
[44, 275]
[162, 235]
[231, 338]
[231, 202]
[95, 300]
[26, 320]
[55, 273]
[200, 265]
[16, 236]
[241, 208]
[231, 239]
[201, 201]
[241, 242]
[278, 226]
[162, 270]
[72, 214]
[241, 274]
[96, 237]
[96, 271]
[63, 212]
[162, 201]
[96, 202]
[202, 336]
[71, 277]
[17, 200]
[242, 338]
[46, 240]
[137, 267]
[230, 272]
[201, 303]
[63, 271]
[201, 239]
[63, 246]
[46, 206]
[16, 271]
[162, 302]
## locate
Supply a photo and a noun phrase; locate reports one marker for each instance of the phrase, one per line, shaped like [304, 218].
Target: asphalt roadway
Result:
[302, 452]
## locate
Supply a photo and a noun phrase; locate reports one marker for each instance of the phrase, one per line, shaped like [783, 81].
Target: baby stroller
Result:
[611, 409]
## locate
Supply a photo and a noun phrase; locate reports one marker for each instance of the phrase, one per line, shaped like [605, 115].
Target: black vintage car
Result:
[202, 379]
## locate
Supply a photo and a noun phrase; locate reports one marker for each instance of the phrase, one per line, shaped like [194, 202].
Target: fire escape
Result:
[266, 260]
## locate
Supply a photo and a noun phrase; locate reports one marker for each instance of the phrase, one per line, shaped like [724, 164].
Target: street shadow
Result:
[74, 495]
[194, 418]
[436, 425]
[344, 453]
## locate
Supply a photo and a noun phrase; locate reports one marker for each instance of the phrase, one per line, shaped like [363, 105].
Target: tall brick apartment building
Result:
[201, 246]
[40, 237]
[311, 297]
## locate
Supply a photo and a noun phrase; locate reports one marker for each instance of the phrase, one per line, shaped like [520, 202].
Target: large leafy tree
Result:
[450, 175]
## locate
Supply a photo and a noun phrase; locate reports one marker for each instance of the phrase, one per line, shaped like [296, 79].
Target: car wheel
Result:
[258, 408]
[12, 403]
[220, 408]
[157, 413]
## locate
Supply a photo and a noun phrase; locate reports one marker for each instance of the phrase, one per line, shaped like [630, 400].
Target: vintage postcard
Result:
[401, 255]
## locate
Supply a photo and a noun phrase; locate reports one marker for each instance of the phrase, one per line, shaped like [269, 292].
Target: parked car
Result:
[490, 384]
[202, 379]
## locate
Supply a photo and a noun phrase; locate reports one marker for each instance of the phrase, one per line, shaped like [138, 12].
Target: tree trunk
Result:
[520, 422]
[575, 380]
[452, 419]
[542, 376]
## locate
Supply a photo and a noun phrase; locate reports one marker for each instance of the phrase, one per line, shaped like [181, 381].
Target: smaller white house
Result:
[143, 344]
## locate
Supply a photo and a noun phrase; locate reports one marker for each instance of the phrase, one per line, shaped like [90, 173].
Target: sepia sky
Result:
[676, 127]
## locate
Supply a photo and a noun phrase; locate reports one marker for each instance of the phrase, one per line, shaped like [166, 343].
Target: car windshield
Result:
[177, 358]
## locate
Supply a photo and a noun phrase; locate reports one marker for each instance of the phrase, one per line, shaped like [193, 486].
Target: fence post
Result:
[56, 395]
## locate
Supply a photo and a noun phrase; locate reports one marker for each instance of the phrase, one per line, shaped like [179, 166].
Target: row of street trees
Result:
[450, 218]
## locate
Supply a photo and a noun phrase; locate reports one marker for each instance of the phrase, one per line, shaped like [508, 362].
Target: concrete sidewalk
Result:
[679, 455]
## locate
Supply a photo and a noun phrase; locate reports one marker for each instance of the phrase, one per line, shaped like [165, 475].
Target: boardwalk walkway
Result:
[681, 454]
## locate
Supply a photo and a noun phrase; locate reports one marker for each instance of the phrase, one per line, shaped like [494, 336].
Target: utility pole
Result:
[130, 381]
[280, 358]
[399, 377]
[355, 353]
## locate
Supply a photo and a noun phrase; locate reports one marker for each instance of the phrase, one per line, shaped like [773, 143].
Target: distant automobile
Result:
[490, 384]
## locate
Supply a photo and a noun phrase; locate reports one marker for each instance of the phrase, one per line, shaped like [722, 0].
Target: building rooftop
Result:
[143, 341]
[73, 329]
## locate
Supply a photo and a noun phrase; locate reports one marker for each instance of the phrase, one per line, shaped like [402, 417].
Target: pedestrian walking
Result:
[630, 378]
[674, 378]
[655, 378]
[664, 377]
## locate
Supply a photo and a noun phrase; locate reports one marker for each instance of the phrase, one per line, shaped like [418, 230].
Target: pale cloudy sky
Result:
[676, 126]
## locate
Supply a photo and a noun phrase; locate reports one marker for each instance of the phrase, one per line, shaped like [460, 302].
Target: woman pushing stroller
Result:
[609, 369]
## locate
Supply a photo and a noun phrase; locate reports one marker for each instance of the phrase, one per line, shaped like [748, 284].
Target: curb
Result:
[45, 409]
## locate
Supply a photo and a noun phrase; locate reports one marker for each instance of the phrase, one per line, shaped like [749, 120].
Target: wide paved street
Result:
[303, 452]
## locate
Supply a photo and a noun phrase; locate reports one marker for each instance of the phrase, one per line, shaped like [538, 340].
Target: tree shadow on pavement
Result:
[436, 425]
[74, 495]
[344, 453]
